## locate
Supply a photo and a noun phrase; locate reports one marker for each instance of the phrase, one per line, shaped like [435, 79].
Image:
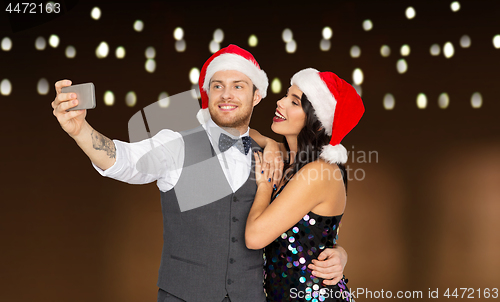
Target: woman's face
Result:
[289, 117]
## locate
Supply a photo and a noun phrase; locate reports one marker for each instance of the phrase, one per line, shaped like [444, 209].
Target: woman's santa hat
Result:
[336, 104]
[229, 58]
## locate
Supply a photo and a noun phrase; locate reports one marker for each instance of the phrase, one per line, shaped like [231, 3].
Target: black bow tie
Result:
[243, 144]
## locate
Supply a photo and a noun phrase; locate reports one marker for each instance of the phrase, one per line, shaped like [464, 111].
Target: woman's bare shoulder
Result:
[320, 171]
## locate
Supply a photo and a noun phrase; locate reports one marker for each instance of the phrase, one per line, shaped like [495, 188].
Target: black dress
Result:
[287, 277]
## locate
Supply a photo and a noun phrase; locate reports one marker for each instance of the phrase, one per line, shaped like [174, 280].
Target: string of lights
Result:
[102, 51]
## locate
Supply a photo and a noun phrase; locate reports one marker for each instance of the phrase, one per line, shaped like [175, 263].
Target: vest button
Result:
[231, 260]
[235, 219]
[234, 239]
[229, 281]
[235, 199]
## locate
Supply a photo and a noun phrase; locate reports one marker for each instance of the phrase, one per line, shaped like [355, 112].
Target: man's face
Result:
[231, 99]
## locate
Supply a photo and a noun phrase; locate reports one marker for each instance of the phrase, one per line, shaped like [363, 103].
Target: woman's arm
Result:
[263, 141]
[304, 191]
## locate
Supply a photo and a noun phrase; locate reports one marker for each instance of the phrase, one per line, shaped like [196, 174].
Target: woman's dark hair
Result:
[310, 141]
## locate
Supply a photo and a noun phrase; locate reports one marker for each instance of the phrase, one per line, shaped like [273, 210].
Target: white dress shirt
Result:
[161, 158]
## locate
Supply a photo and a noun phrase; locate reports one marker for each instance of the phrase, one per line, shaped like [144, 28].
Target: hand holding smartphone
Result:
[85, 94]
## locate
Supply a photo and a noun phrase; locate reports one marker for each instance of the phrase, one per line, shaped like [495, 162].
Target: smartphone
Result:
[85, 94]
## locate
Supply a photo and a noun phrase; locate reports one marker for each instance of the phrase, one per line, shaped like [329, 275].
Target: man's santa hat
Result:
[336, 104]
[229, 58]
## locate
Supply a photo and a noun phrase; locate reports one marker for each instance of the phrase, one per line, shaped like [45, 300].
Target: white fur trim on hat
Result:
[230, 61]
[334, 154]
[203, 116]
[323, 101]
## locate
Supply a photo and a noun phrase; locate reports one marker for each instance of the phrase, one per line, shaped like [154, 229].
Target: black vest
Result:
[204, 256]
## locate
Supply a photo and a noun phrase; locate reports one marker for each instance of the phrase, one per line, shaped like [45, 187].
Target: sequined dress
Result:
[287, 277]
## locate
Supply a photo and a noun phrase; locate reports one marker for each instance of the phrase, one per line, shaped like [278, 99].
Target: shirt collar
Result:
[214, 131]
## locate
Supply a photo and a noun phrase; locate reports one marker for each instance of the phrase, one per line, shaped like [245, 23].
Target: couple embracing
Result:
[276, 214]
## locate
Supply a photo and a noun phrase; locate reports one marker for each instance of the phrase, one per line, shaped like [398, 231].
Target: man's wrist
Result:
[84, 133]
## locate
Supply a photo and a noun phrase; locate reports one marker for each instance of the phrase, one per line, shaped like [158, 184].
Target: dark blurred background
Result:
[422, 210]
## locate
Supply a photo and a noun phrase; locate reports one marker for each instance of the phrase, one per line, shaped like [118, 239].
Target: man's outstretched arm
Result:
[100, 149]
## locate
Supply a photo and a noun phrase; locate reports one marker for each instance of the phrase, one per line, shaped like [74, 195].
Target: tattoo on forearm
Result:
[100, 142]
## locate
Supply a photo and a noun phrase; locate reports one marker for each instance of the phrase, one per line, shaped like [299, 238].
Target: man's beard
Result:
[235, 122]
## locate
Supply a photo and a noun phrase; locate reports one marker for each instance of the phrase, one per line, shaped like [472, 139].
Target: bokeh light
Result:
[131, 99]
[435, 50]
[138, 25]
[367, 25]
[70, 52]
[421, 101]
[214, 46]
[327, 33]
[443, 100]
[40, 43]
[476, 100]
[410, 13]
[180, 45]
[405, 50]
[120, 52]
[465, 41]
[195, 91]
[385, 51]
[291, 46]
[448, 50]
[218, 35]
[287, 35]
[276, 85]
[178, 33]
[6, 44]
[325, 45]
[455, 6]
[355, 51]
[54, 41]
[95, 13]
[150, 52]
[253, 41]
[496, 41]
[109, 98]
[401, 66]
[164, 100]
[194, 75]
[150, 65]
[5, 87]
[389, 101]
[357, 76]
[102, 50]
[43, 86]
